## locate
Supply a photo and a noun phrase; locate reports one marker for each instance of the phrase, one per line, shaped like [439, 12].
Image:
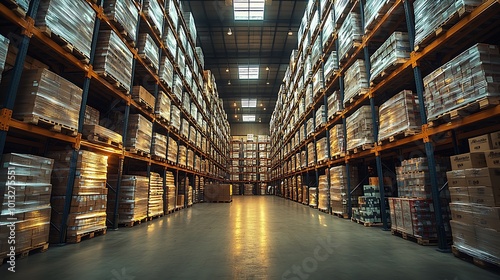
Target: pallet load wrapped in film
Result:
[189, 195]
[185, 128]
[201, 57]
[323, 189]
[28, 176]
[360, 128]
[399, 115]
[337, 141]
[182, 155]
[468, 78]
[172, 150]
[341, 8]
[369, 209]
[45, 97]
[133, 198]
[248, 189]
[190, 159]
[356, 82]
[4, 49]
[159, 146]
[172, 12]
[191, 25]
[87, 214]
[321, 117]
[218, 192]
[426, 21]
[339, 189]
[313, 197]
[393, 52]
[175, 117]
[154, 12]
[113, 59]
[124, 14]
[350, 35]
[414, 179]
[171, 191]
[322, 149]
[139, 134]
[155, 200]
[148, 50]
[94, 132]
[71, 20]
[162, 107]
[143, 97]
[311, 154]
[374, 10]
[331, 65]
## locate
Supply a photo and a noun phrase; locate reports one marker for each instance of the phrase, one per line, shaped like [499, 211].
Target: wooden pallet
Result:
[170, 211]
[399, 135]
[328, 41]
[151, 23]
[14, 7]
[145, 105]
[162, 119]
[367, 224]
[113, 81]
[49, 124]
[40, 248]
[465, 110]
[138, 152]
[134, 222]
[121, 29]
[103, 140]
[387, 71]
[350, 52]
[340, 215]
[158, 158]
[361, 148]
[88, 235]
[67, 46]
[416, 239]
[355, 97]
[475, 259]
[337, 156]
[147, 61]
[324, 211]
[444, 26]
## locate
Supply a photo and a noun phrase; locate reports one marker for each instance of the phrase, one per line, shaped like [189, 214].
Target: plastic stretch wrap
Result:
[182, 155]
[414, 179]
[394, 50]
[124, 13]
[320, 117]
[334, 104]
[199, 53]
[190, 195]
[349, 34]
[154, 12]
[172, 12]
[318, 82]
[155, 203]
[360, 128]
[331, 65]
[190, 159]
[313, 196]
[24, 4]
[197, 163]
[322, 149]
[170, 41]
[147, 49]
[470, 76]
[72, 20]
[181, 61]
[311, 154]
[162, 108]
[339, 190]
[175, 117]
[113, 58]
[337, 140]
[373, 10]
[192, 134]
[323, 190]
[317, 51]
[310, 127]
[171, 190]
[355, 80]
[185, 128]
[159, 145]
[4, 48]
[172, 150]
[399, 114]
[328, 27]
[177, 87]
[166, 71]
[186, 102]
[430, 14]
[133, 198]
[191, 26]
[139, 133]
[92, 115]
[44, 95]
[341, 8]
[109, 135]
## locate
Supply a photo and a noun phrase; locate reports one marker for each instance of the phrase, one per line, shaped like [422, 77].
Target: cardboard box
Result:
[487, 217]
[487, 241]
[374, 181]
[492, 158]
[459, 194]
[483, 176]
[469, 160]
[462, 212]
[480, 144]
[487, 196]
[495, 140]
[456, 178]
[463, 234]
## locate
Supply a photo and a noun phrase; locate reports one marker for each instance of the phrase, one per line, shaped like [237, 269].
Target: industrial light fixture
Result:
[264, 108]
[267, 83]
[229, 82]
[261, 105]
[229, 32]
[267, 68]
[290, 32]
[234, 104]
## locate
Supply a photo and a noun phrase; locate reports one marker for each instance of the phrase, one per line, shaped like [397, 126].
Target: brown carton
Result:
[482, 176]
[488, 217]
[495, 140]
[480, 144]
[469, 160]
[487, 196]
[462, 212]
[456, 178]
[492, 158]
[464, 235]
[459, 194]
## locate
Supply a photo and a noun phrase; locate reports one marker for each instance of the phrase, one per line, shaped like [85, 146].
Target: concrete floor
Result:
[260, 237]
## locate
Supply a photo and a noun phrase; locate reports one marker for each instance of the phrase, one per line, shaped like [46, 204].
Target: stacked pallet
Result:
[159, 146]
[350, 35]
[139, 134]
[172, 150]
[323, 189]
[191, 25]
[153, 11]
[148, 50]
[369, 210]
[248, 189]
[311, 154]
[182, 156]
[162, 107]
[132, 199]
[171, 191]
[143, 98]
[341, 8]
[335, 104]
[360, 128]
[393, 52]
[399, 115]
[337, 140]
[124, 14]
[322, 149]
[27, 176]
[475, 208]
[70, 20]
[88, 201]
[339, 189]
[172, 12]
[185, 128]
[313, 197]
[190, 195]
[375, 9]
[320, 119]
[413, 217]
[467, 78]
[4, 49]
[218, 193]
[414, 179]
[175, 117]
[113, 59]
[356, 81]
[93, 132]
[190, 159]
[155, 200]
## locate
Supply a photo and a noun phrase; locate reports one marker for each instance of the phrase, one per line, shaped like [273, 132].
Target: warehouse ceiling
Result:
[265, 43]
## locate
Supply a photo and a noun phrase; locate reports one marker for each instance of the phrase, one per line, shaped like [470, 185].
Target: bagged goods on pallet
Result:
[139, 133]
[175, 117]
[426, 21]
[155, 200]
[360, 128]
[374, 9]
[399, 114]
[337, 140]
[322, 149]
[467, 78]
[339, 189]
[162, 107]
[148, 50]
[394, 51]
[44, 96]
[356, 81]
[159, 145]
[323, 189]
[125, 14]
[349, 35]
[113, 58]
[32, 201]
[153, 11]
[171, 191]
[132, 199]
[331, 65]
[4, 48]
[72, 20]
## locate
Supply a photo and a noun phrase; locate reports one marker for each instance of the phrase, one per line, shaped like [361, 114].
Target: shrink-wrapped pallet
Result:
[331, 65]
[162, 108]
[394, 51]
[341, 8]
[177, 87]
[339, 189]
[201, 57]
[4, 49]
[148, 50]
[192, 134]
[322, 149]
[139, 133]
[190, 158]
[171, 191]
[143, 97]
[334, 104]
[414, 179]
[182, 158]
[132, 199]
[170, 41]
[374, 10]
[153, 11]
[71, 20]
[321, 117]
[190, 24]
[350, 35]
[159, 145]
[311, 154]
[328, 28]
[166, 73]
[323, 189]
[467, 78]
[360, 128]
[185, 128]
[399, 114]
[124, 14]
[113, 58]
[172, 12]
[313, 196]
[310, 127]
[30, 209]
[318, 82]
[44, 96]
[172, 150]
[155, 200]
[175, 117]
[356, 81]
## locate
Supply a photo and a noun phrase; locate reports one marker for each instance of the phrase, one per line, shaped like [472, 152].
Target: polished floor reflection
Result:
[254, 237]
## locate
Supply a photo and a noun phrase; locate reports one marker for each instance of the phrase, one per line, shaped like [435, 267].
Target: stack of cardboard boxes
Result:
[474, 184]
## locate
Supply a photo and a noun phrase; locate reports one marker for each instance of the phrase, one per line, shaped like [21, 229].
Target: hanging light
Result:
[229, 82]
[229, 32]
[227, 69]
[267, 83]
[290, 32]
[267, 68]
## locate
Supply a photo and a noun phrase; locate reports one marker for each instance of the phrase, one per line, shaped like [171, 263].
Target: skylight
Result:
[248, 72]
[248, 9]
[248, 118]
[248, 103]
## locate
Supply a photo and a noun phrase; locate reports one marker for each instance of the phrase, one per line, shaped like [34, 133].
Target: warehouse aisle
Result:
[260, 237]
